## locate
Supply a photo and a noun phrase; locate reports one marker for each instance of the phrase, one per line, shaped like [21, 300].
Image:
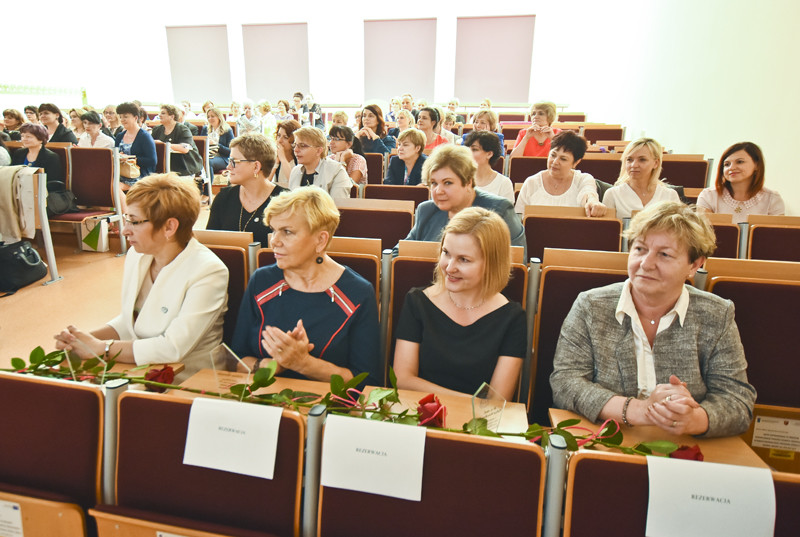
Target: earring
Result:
[319, 260]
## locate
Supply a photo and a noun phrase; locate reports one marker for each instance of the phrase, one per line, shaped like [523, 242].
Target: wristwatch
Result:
[108, 347]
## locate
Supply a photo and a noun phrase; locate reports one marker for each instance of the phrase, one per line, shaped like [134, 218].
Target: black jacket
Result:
[48, 160]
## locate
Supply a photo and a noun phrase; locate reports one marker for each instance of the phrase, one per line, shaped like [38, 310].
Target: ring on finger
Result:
[674, 423]
[669, 398]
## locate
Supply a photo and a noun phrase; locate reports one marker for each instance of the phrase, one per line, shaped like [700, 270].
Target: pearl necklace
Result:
[465, 308]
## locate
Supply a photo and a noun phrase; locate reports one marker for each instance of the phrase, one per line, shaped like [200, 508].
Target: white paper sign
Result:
[10, 519]
[703, 499]
[373, 456]
[234, 437]
[776, 433]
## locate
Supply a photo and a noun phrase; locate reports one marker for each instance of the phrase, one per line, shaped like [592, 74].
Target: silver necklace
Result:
[466, 308]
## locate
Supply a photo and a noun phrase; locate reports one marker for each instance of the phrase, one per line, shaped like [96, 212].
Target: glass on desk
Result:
[487, 403]
[224, 379]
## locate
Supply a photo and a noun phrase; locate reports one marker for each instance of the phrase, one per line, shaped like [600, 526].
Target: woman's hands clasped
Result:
[671, 407]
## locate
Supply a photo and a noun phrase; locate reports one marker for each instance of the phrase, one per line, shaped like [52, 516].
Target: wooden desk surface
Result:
[459, 407]
[125, 368]
[729, 450]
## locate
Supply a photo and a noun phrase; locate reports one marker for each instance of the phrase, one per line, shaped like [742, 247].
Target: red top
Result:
[533, 149]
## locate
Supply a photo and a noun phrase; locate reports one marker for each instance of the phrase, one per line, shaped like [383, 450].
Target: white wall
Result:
[696, 75]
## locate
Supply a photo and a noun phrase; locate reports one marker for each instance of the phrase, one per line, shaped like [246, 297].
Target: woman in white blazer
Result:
[173, 289]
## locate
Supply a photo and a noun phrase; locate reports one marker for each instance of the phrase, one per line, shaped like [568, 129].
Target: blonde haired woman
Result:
[220, 136]
[461, 331]
[535, 140]
[638, 185]
[310, 148]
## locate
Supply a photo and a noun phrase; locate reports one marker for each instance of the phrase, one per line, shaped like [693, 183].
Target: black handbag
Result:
[59, 199]
[20, 265]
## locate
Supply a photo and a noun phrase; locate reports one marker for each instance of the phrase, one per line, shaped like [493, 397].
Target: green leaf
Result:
[568, 423]
[479, 426]
[18, 363]
[392, 378]
[265, 376]
[37, 356]
[406, 420]
[355, 381]
[238, 389]
[378, 394]
[337, 385]
[659, 446]
[90, 363]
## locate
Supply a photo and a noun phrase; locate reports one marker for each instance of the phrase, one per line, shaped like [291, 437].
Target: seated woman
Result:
[654, 350]
[219, 135]
[173, 289]
[427, 122]
[461, 331]
[248, 121]
[394, 108]
[5, 156]
[282, 112]
[33, 152]
[372, 131]
[286, 159]
[92, 135]
[315, 109]
[346, 148]
[50, 116]
[184, 157]
[114, 127]
[450, 173]
[638, 185]
[268, 121]
[134, 143]
[485, 147]
[32, 113]
[313, 168]
[311, 315]
[446, 129]
[486, 120]
[76, 123]
[405, 120]
[561, 184]
[339, 119]
[406, 167]
[452, 106]
[535, 140]
[739, 189]
[234, 112]
[241, 207]
[12, 121]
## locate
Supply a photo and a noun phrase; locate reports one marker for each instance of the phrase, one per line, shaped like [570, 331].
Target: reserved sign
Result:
[703, 499]
[373, 456]
[234, 437]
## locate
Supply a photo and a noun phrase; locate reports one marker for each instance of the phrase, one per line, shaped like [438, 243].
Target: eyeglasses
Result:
[129, 222]
[334, 139]
[302, 147]
[235, 161]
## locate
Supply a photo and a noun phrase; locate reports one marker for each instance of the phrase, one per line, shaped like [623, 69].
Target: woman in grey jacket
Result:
[653, 350]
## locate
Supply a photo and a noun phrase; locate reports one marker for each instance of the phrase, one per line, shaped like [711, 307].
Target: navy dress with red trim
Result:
[341, 322]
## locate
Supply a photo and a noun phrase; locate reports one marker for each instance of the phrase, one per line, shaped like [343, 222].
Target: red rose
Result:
[431, 411]
[165, 376]
[687, 453]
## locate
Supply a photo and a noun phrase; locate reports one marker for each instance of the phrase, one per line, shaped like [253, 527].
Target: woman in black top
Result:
[241, 206]
[34, 153]
[51, 117]
[185, 159]
[461, 331]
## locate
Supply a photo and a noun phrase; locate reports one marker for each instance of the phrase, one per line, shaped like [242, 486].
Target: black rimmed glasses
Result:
[129, 222]
[235, 161]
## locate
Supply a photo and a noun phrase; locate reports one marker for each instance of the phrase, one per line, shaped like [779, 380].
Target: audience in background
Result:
[113, 126]
[282, 111]
[394, 108]
[485, 147]
[300, 108]
[638, 185]
[535, 140]
[5, 157]
[134, 143]
[219, 135]
[76, 123]
[268, 121]
[32, 113]
[34, 153]
[234, 112]
[286, 159]
[339, 119]
[427, 122]
[184, 157]
[241, 207]
[372, 131]
[406, 167]
[405, 120]
[12, 121]
[51, 117]
[739, 187]
[92, 134]
[561, 184]
[452, 106]
[248, 121]
[346, 148]
[486, 120]
[312, 166]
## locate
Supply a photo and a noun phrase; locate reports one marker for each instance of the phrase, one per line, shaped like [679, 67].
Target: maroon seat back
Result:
[374, 168]
[605, 170]
[62, 151]
[202, 142]
[93, 176]
[727, 240]
[51, 438]
[389, 226]
[365, 265]
[558, 290]
[572, 233]
[520, 168]
[571, 117]
[787, 498]
[686, 173]
[236, 261]
[775, 243]
[766, 315]
[414, 193]
[499, 165]
[603, 133]
[510, 132]
[156, 426]
[516, 117]
[161, 157]
[460, 474]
